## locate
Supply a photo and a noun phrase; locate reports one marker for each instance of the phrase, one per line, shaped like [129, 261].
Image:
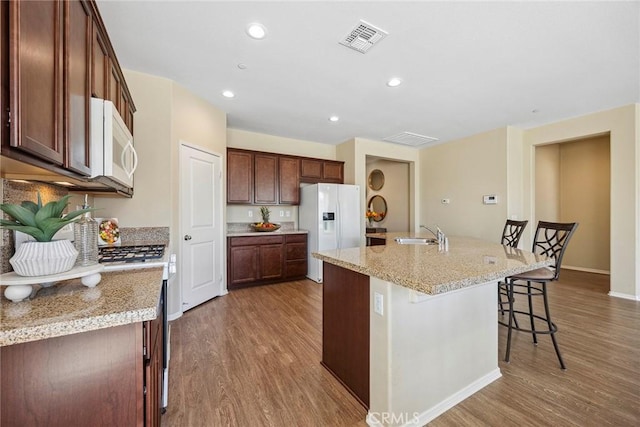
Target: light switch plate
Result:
[378, 303]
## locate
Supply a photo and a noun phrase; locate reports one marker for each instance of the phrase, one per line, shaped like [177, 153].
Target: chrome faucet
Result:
[438, 235]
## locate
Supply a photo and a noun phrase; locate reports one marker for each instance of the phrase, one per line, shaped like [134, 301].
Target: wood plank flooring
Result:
[251, 358]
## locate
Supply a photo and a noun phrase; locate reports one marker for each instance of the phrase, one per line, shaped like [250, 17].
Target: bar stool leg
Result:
[509, 287]
[552, 328]
[533, 326]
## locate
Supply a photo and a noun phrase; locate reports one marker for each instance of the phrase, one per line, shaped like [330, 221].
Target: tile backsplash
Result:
[16, 192]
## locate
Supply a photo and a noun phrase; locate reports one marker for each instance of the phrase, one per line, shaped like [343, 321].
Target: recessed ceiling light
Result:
[393, 82]
[24, 181]
[228, 94]
[334, 118]
[256, 31]
[65, 183]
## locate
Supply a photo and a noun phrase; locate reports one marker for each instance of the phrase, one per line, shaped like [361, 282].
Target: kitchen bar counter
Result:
[429, 269]
[121, 297]
[423, 323]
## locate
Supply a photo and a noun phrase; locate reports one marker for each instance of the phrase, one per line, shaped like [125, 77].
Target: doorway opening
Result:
[389, 180]
[573, 184]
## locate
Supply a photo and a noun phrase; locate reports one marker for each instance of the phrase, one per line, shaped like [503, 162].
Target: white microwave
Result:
[112, 154]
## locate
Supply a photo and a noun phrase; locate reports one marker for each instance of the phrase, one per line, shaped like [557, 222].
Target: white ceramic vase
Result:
[44, 258]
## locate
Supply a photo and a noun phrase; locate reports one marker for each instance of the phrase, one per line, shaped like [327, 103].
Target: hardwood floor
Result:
[251, 358]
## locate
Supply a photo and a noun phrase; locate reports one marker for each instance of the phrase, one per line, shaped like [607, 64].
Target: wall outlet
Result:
[250, 213]
[281, 214]
[287, 214]
[378, 303]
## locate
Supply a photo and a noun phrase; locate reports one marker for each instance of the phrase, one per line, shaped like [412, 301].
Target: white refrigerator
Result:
[331, 214]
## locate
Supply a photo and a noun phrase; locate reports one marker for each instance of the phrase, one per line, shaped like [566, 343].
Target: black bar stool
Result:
[510, 237]
[551, 239]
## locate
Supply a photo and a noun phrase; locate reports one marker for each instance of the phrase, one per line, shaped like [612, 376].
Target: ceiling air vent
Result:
[409, 138]
[363, 37]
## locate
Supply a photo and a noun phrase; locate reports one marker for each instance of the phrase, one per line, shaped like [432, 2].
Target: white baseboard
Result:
[625, 296]
[174, 316]
[421, 419]
[586, 270]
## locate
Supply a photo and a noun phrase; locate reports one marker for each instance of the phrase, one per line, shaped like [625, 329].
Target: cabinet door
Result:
[100, 68]
[239, 177]
[77, 81]
[36, 85]
[243, 265]
[311, 169]
[333, 172]
[265, 179]
[289, 180]
[271, 261]
[114, 85]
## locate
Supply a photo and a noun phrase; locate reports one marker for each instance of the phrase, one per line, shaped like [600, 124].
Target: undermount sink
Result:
[415, 241]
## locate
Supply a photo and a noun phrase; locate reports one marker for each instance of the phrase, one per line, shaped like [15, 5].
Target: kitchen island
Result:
[412, 330]
[74, 355]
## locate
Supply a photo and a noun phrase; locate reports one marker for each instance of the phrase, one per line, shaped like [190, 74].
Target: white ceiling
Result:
[467, 67]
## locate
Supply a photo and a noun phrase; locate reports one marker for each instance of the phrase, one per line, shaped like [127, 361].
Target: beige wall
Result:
[463, 171]
[166, 115]
[585, 198]
[151, 202]
[395, 191]
[354, 153]
[622, 124]
[547, 176]
[276, 144]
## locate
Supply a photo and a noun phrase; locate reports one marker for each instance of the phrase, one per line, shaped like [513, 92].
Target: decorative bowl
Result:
[265, 227]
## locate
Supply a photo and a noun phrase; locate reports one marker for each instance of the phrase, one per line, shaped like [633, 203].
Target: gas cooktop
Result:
[130, 253]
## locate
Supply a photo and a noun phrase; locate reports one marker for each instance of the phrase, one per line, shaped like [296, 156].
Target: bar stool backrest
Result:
[551, 239]
[512, 232]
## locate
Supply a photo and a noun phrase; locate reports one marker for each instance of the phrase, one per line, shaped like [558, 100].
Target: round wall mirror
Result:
[378, 205]
[376, 180]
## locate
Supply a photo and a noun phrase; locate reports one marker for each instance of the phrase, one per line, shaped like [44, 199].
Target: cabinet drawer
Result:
[295, 269]
[257, 240]
[296, 251]
[296, 238]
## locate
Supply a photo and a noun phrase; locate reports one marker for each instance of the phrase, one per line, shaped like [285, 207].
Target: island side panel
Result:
[345, 328]
[430, 352]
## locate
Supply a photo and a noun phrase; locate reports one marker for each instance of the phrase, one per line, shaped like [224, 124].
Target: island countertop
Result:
[121, 297]
[431, 270]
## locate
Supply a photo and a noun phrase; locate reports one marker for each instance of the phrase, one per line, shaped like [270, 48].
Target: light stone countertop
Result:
[121, 297]
[431, 270]
[266, 233]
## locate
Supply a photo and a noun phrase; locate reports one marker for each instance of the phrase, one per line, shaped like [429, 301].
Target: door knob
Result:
[187, 237]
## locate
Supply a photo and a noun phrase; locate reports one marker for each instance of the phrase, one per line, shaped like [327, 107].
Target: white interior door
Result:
[201, 252]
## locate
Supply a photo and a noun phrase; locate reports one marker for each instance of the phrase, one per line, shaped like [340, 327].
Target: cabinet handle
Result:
[187, 237]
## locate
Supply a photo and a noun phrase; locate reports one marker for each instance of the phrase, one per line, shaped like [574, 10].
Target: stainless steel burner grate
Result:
[130, 253]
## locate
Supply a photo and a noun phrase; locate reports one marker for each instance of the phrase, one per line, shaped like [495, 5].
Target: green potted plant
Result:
[44, 256]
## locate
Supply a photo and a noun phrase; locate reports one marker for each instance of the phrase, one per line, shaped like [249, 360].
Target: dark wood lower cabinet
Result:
[262, 259]
[95, 378]
[345, 328]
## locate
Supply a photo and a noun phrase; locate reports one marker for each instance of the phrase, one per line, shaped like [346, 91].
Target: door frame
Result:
[221, 218]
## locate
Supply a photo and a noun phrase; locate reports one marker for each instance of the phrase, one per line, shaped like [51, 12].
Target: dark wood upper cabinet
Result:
[311, 169]
[333, 171]
[36, 80]
[259, 178]
[265, 179]
[77, 76]
[100, 67]
[288, 180]
[239, 177]
[319, 170]
[56, 55]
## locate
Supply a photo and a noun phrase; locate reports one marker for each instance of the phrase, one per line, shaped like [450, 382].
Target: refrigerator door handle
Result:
[338, 225]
